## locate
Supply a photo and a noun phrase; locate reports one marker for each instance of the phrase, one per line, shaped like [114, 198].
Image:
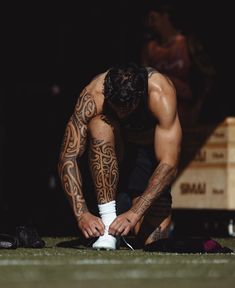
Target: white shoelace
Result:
[127, 244]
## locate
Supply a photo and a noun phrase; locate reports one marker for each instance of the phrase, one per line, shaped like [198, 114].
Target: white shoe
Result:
[105, 242]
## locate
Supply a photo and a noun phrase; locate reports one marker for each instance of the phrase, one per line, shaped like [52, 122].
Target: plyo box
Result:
[206, 178]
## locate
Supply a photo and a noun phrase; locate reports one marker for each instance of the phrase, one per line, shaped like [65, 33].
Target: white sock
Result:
[107, 213]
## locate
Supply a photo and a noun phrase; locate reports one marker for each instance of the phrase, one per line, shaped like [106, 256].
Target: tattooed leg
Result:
[103, 160]
[104, 170]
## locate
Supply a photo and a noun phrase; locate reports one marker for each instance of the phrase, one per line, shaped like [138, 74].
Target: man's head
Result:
[125, 87]
[160, 16]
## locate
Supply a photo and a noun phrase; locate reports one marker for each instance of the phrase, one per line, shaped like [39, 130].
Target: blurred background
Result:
[49, 52]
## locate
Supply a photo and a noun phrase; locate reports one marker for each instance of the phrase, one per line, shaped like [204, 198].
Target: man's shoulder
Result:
[151, 71]
[161, 92]
[159, 82]
[96, 83]
[95, 91]
[98, 76]
[157, 77]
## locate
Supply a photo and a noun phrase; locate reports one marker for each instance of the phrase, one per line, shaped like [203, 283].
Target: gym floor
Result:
[59, 267]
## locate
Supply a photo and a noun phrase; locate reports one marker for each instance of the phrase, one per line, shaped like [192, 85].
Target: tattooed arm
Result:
[167, 139]
[74, 144]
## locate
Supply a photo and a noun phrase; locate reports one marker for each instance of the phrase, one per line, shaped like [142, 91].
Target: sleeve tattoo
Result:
[159, 181]
[73, 146]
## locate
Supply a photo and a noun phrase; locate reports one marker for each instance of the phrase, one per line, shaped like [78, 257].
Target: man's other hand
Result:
[124, 223]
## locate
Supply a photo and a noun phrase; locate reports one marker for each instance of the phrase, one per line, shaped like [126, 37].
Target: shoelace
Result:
[127, 244]
[89, 244]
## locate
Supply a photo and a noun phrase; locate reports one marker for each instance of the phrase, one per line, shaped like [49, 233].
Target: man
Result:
[180, 56]
[126, 104]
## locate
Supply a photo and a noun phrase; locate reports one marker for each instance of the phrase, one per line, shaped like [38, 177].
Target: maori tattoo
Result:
[73, 146]
[158, 234]
[104, 170]
[161, 178]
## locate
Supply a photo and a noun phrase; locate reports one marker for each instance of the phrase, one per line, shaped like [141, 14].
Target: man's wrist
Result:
[134, 215]
[141, 206]
[81, 215]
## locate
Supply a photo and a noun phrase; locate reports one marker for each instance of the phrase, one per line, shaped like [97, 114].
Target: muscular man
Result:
[127, 106]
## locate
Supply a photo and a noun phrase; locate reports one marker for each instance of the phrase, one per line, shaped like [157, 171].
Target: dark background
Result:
[67, 45]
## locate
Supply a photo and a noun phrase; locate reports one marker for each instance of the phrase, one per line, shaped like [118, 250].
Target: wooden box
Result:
[206, 178]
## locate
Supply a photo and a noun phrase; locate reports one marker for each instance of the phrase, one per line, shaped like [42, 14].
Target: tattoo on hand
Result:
[104, 169]
[128, 220]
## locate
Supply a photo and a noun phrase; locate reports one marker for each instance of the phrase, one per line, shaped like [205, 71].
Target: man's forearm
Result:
[72, 183]
[162, 177]
[72, 147]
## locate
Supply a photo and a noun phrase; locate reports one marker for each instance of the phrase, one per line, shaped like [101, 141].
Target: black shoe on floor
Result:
[28, 237]
[8, 242]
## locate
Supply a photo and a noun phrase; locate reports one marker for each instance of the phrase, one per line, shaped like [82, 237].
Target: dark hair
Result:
[161, 6]
[125, 85]
[164, 7]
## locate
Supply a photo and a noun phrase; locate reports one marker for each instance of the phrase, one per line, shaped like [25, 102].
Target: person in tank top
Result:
[127, 120]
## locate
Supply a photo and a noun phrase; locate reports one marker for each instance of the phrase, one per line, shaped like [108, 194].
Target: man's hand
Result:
[90, 225]
[124, 223]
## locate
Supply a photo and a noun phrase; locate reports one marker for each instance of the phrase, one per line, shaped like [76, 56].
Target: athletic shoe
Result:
[8, 242]
[28, 237]
[105, 242]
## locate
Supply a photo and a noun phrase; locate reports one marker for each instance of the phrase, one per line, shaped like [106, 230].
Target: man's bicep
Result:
[167, 141]
[167, 138]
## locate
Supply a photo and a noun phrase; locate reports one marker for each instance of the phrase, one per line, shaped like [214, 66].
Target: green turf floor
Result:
[69, 267]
